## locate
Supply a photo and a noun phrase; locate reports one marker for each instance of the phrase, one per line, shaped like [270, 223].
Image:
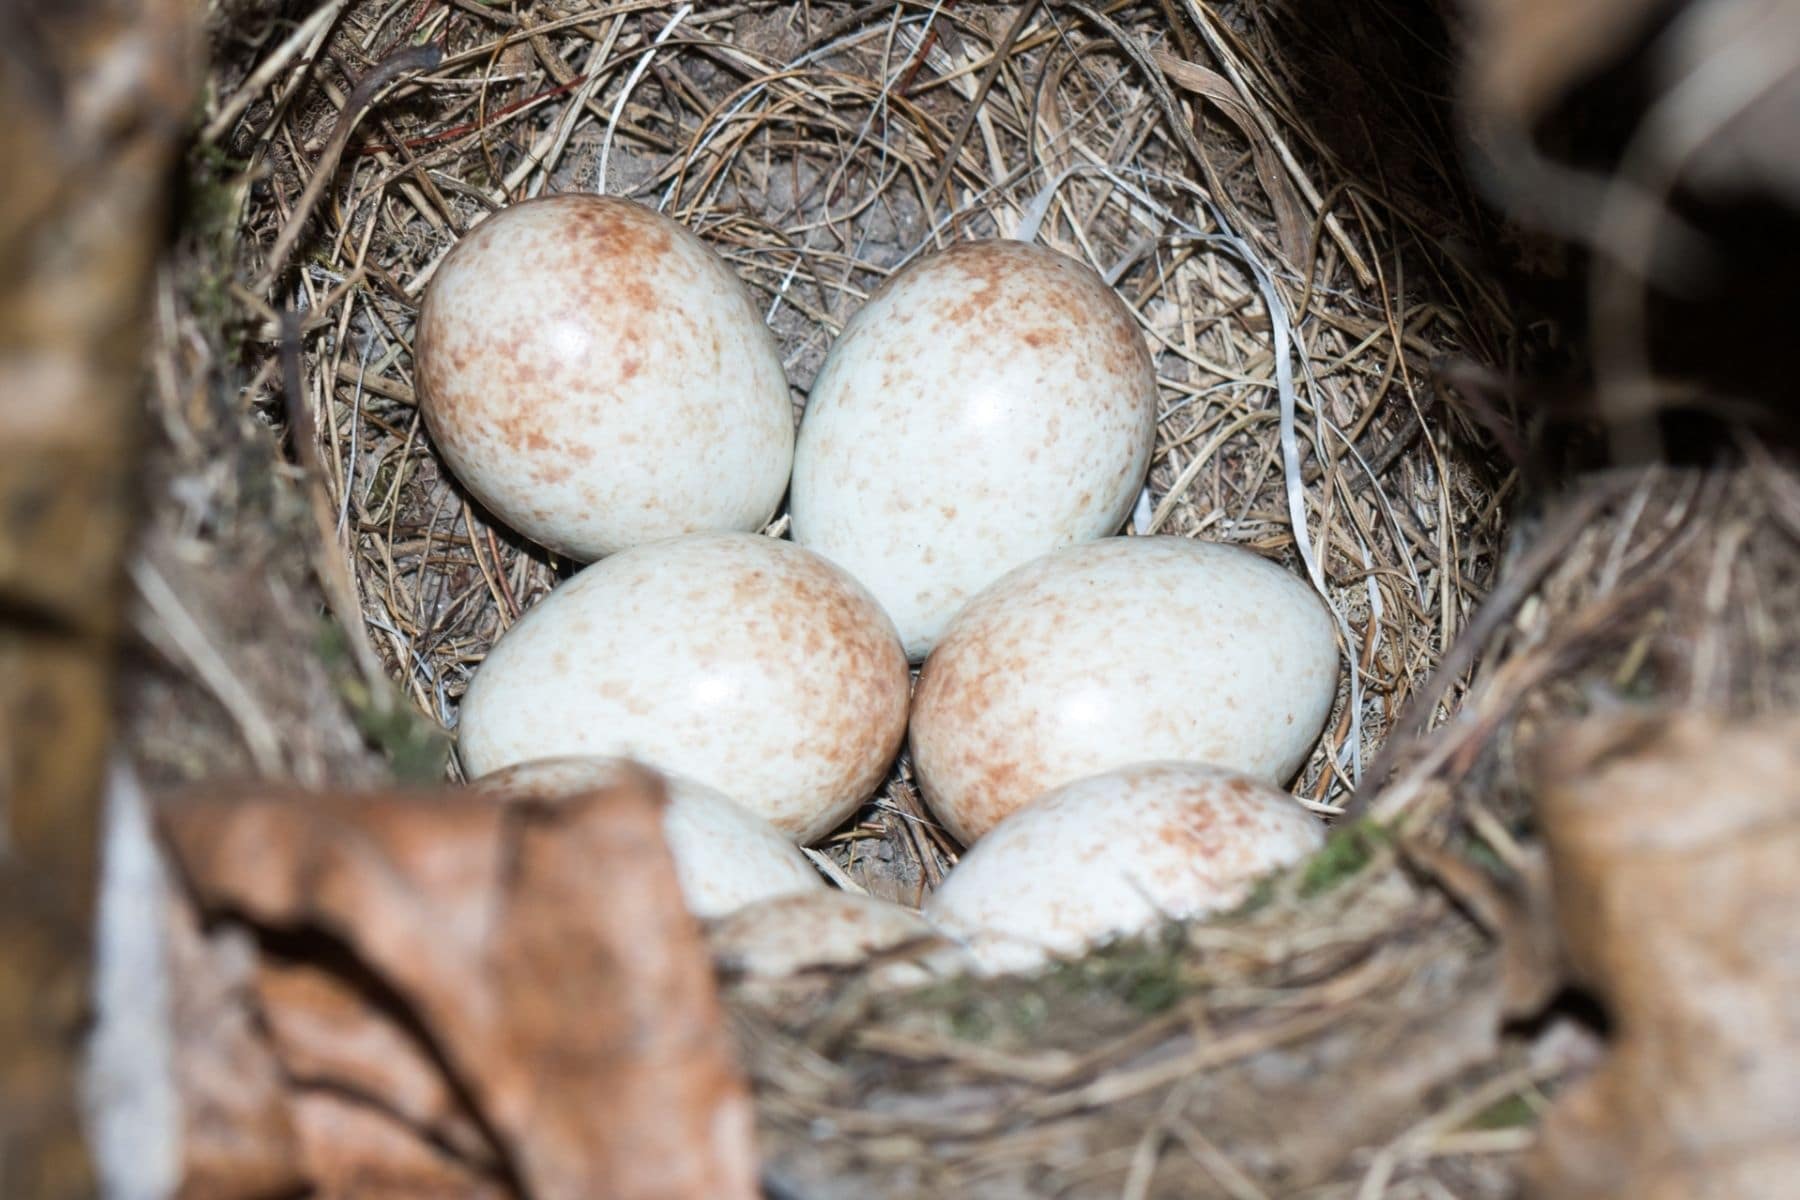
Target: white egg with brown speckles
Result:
[1114, 652]
[725, 855]
[1116, 855]
[598, 378]
[748, 664]
[988, 405]
[827, 930]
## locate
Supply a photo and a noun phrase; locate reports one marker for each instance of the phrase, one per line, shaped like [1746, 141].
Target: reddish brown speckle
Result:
[559, 328]
[981, 397]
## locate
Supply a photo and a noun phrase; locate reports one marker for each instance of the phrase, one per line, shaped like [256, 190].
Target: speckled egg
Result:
[597, 377]
[826, 931]
[725, 856]
[1120, 651]
[990, 404]
[1117, 854]
[748, 664]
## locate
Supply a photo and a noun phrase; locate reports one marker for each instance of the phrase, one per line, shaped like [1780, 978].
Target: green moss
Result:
[334, 646]
[1347, 851]
[971, 1022]
[416, 748]
[1260, 897]
[212, 194]
[1154, 991]
[1029, 1010]
[385, 484]
[210, 205]
[1483, 856]
[1510, 1113]
[211, 200]
[1146, 973]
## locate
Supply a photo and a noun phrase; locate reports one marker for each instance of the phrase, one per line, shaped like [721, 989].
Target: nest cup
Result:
[1300, 293]
[1295, 296]
[1274, 192]
[1293, 310]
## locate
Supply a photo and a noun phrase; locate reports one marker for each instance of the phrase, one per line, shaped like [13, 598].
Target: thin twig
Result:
[407, 62]
[947, 167]
[1517, 583]
[334, 573]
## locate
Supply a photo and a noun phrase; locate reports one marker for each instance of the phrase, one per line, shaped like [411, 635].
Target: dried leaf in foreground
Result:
[1674, 842]
[238, 1135]
[476, 997]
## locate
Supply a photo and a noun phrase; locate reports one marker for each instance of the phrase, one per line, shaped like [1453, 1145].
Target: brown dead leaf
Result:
[1291, 220]
[320, 1023]
[1675, 843]
[354, 1149]
[238, 1137]
[466, 990]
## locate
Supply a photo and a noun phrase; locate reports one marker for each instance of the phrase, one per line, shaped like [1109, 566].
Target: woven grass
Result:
[1296, 308]
[1275, 192]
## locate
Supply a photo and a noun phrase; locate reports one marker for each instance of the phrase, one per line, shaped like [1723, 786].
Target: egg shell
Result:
[748, 664]
[988, 405]
[1117, 854]
[1120, 651]
[725, 855]
[598, 378]
[815, 931]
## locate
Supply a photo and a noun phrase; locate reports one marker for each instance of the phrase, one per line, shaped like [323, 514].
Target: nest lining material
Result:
[1242, 173]
[1294, 309]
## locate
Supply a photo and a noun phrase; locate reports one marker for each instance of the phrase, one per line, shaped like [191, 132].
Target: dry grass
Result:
[1212, 1060]
[1296, 305]
[1273, 196]
[1341, 1036]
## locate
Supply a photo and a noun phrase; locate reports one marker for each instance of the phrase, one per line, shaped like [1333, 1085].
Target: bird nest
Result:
[1277, 200]
[1294, 313]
